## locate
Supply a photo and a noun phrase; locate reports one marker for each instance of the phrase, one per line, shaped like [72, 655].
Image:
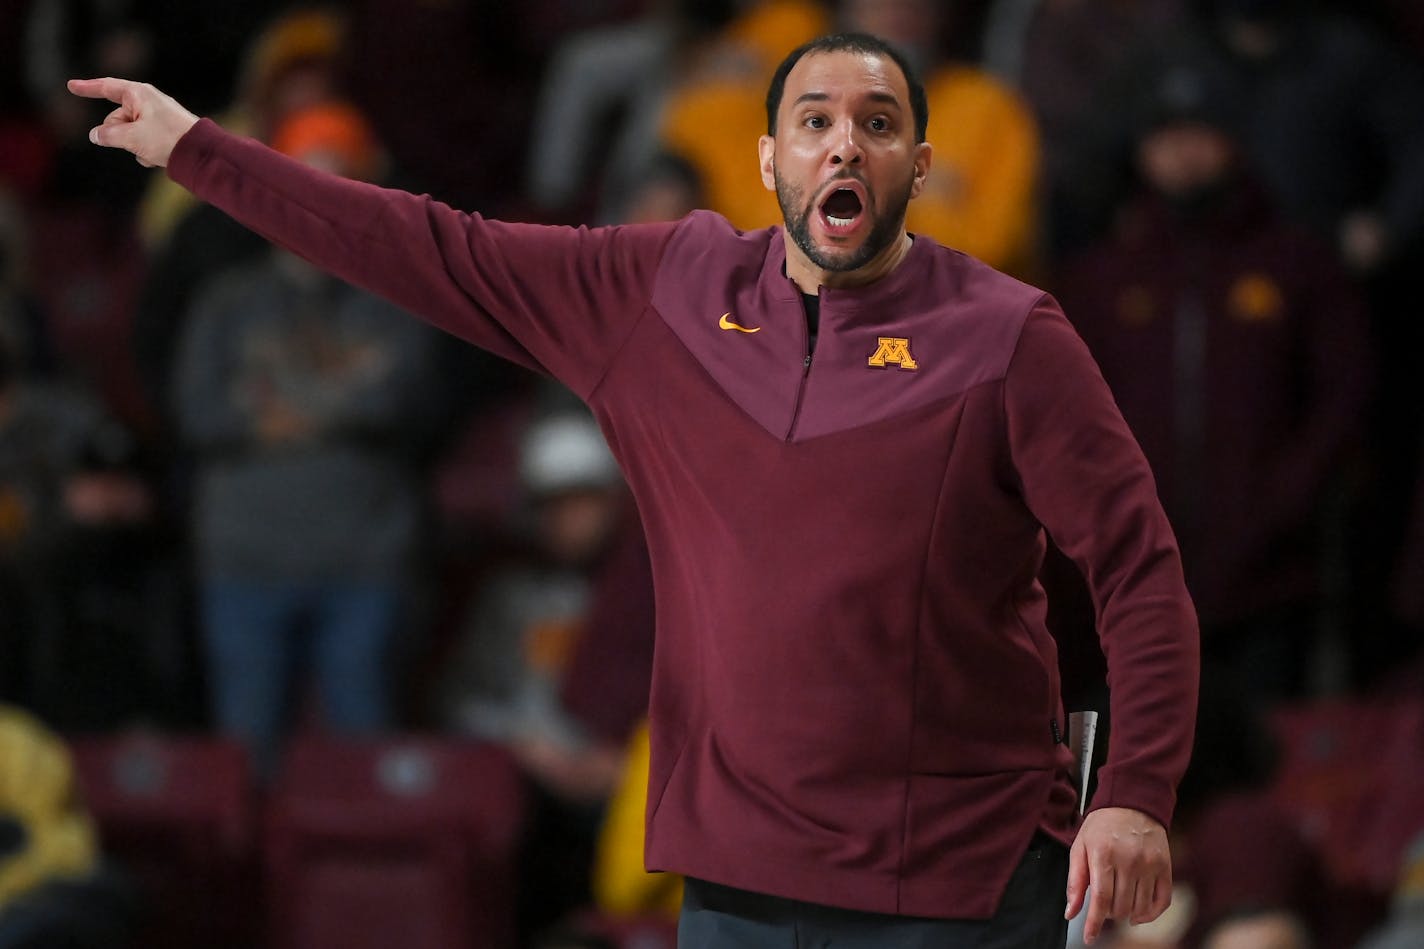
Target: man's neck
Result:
[809, 278]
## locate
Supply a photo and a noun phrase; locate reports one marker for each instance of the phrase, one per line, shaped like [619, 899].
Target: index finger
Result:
[108, 88]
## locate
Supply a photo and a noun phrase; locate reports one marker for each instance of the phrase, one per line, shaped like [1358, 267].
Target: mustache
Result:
[847, 175]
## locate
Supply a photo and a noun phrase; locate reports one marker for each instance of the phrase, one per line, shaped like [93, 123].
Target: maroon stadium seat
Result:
[394, 842]
[1397, 818]
[1352, 779]
[629, 932]
[1347, 774]
[177, 814]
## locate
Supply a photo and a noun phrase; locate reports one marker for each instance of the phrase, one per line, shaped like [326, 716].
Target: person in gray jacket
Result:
[301, 399]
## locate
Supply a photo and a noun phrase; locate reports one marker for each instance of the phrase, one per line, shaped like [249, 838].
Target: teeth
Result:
[839, 221]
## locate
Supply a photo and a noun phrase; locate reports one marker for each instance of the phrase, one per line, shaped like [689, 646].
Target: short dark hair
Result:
[849, 43]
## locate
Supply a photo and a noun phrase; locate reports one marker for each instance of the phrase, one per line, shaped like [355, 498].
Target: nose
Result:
[845, 147]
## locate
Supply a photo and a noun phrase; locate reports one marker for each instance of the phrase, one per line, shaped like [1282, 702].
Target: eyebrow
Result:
[884, 97]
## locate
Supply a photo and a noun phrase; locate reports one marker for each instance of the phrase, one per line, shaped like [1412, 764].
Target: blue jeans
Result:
[264, 639]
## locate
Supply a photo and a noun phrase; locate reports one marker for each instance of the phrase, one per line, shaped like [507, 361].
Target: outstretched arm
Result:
[146, 123]
[557, 299]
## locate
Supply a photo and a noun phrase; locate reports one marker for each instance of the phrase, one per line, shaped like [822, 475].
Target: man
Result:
[846, 445]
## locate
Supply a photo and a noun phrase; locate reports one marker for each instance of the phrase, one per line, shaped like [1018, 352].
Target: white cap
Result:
[566, 452]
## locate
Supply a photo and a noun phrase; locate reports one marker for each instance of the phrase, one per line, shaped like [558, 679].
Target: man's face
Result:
[844, 162]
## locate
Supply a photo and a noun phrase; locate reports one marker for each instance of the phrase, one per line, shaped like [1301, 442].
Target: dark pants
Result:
[1030, 916]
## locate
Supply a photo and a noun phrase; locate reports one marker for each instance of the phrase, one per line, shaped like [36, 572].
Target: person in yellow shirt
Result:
[44, 834]
[981, 196]
[621, 887]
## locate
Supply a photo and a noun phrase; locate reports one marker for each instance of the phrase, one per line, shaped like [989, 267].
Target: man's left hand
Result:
[1121, 857]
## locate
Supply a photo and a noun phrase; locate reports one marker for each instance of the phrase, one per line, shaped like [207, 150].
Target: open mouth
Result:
[842, 209]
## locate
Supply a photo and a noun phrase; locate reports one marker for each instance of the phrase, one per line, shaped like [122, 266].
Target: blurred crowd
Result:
[239, 498]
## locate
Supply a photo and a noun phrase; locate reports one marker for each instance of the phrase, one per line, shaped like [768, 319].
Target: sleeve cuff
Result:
[1152, 796]
[191, 151]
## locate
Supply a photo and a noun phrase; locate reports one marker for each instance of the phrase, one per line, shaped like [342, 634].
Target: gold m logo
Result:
[893, 350]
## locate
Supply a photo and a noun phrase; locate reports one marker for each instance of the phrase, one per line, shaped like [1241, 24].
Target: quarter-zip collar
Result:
[843, 307]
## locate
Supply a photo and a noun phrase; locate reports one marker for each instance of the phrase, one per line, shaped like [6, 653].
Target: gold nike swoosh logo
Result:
[727, 324]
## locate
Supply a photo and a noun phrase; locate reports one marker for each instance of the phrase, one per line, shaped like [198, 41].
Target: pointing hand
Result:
[146, 122]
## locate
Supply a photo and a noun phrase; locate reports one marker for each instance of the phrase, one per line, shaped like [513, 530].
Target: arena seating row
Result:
[413, 841]
[407, 842]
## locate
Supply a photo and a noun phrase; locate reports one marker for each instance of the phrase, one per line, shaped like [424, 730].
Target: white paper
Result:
[1082, 733]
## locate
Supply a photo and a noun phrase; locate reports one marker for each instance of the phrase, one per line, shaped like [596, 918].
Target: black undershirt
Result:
[812, 302]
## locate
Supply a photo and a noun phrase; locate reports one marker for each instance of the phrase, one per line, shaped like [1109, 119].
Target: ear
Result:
[766, 149]
[923, 154]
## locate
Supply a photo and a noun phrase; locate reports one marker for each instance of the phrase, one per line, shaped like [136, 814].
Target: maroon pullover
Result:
[855, 699]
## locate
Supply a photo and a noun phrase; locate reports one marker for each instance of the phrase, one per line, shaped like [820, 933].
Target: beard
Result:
[885, 226]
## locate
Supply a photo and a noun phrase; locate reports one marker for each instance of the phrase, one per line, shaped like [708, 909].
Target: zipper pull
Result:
[1057, 733]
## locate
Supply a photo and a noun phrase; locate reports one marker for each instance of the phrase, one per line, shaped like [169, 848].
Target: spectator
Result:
[292, 64]
[603, 96]
[1309, 84]
[1318, 84]
[1239, 357]
[503, 683]
[621, 886]
[304, 401]
[53, 889]
[43, 835]
[88, 625]
[1058, 55]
